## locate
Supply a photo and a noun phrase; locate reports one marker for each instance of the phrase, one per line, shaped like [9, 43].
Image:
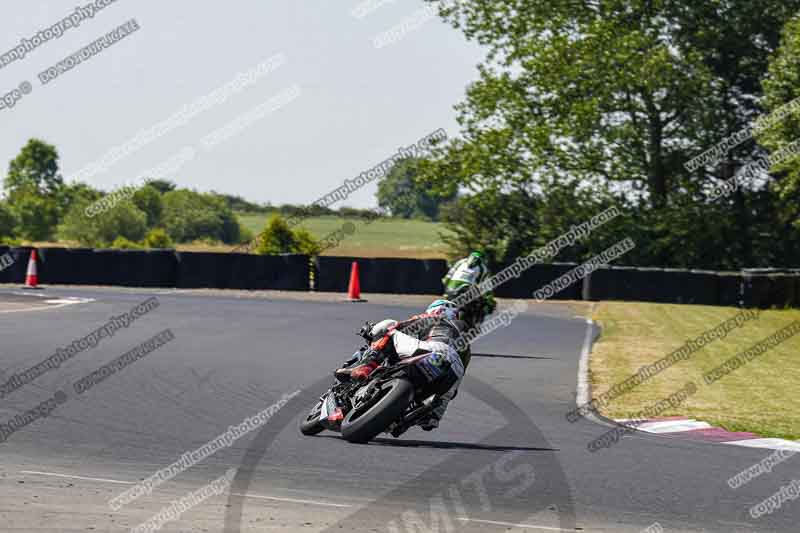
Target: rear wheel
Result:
[311, 425]
[368, 421]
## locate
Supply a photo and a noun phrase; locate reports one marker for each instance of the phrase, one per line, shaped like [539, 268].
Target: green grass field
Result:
[759, 396]
[381, 238]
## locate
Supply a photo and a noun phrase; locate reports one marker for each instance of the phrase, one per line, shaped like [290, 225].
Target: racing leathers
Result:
[464, 274]
[442, 362]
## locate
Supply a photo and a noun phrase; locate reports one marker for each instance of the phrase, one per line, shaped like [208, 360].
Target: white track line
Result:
[68, 300]
[291, 500]
[668, 426]
[256, 496]
[509, 524]
[583, 393]
[772, 444]
[102, 480]
[49, 306]
[582, 396]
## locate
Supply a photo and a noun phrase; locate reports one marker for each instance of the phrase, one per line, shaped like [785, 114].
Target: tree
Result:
[189, 215]
[8, 221]
[34, 170]
[124, 220]
[613, 97]
[162, 186]
[74, 192]
[148, 199]
[37, 216]
[781, 87]
[277, 238]
[491, 223]
[405, 197]
[33, 186]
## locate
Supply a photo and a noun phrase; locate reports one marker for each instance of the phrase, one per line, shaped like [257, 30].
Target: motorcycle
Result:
[398, 394]
[473, 312]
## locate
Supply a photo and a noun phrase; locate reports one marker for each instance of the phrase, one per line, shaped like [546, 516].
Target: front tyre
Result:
[367, 422]
[311, 425]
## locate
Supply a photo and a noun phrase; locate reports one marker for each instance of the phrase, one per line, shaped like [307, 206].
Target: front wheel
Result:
[311, 425]
[366, 422]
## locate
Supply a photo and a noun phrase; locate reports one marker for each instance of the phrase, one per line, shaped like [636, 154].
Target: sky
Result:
[276, 101]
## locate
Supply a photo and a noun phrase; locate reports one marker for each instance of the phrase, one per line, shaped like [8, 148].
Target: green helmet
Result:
[476, 258]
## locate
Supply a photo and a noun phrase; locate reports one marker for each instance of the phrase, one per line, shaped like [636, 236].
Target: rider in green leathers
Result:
[465, 273]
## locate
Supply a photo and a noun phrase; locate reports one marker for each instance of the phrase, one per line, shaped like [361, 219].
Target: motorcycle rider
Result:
[469, 272]
[439, 327]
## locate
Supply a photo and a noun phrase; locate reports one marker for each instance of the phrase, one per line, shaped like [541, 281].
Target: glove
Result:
[384, 347]
[365, 330]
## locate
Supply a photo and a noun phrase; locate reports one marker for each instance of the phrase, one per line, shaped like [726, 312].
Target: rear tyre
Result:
[367, 422]
[311, 425]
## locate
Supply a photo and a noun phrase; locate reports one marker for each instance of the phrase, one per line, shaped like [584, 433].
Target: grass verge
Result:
[759, 397]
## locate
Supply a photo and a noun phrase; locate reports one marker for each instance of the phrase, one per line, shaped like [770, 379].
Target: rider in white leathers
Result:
[443, 361]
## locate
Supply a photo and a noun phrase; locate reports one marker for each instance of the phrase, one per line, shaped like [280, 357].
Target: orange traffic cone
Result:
[32, 276]
[354, 288]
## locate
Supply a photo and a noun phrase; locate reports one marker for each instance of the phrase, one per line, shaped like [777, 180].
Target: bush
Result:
[158, 238]
[206, 242]
[189, 216]
[245, 235]
[124, 244]
[123, 220]
[277, 238]
[306, 243]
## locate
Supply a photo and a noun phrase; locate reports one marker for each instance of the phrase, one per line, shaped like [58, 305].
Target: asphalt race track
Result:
[504, 459]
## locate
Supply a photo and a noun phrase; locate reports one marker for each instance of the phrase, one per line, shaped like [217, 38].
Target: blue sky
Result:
[352, 104]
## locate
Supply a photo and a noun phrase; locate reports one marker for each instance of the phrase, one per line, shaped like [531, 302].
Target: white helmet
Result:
[444, 307]
[382, 328]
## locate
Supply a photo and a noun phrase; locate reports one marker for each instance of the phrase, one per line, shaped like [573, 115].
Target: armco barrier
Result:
[69, 266]
[767, 291]
[127, 268]
[701, 286]
[654, 285]
[382, 275]
[535, 278]
[16, 272]
[763, 288]
[277, 272]
[729, 287]
[613, 283]
[5, 275]
[242, 271]
[161, 268]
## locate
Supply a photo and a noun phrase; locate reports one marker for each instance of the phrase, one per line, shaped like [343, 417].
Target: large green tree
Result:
[33, 188]
[34, 170]
[781, 87]
[613, 98]
[404, 196]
